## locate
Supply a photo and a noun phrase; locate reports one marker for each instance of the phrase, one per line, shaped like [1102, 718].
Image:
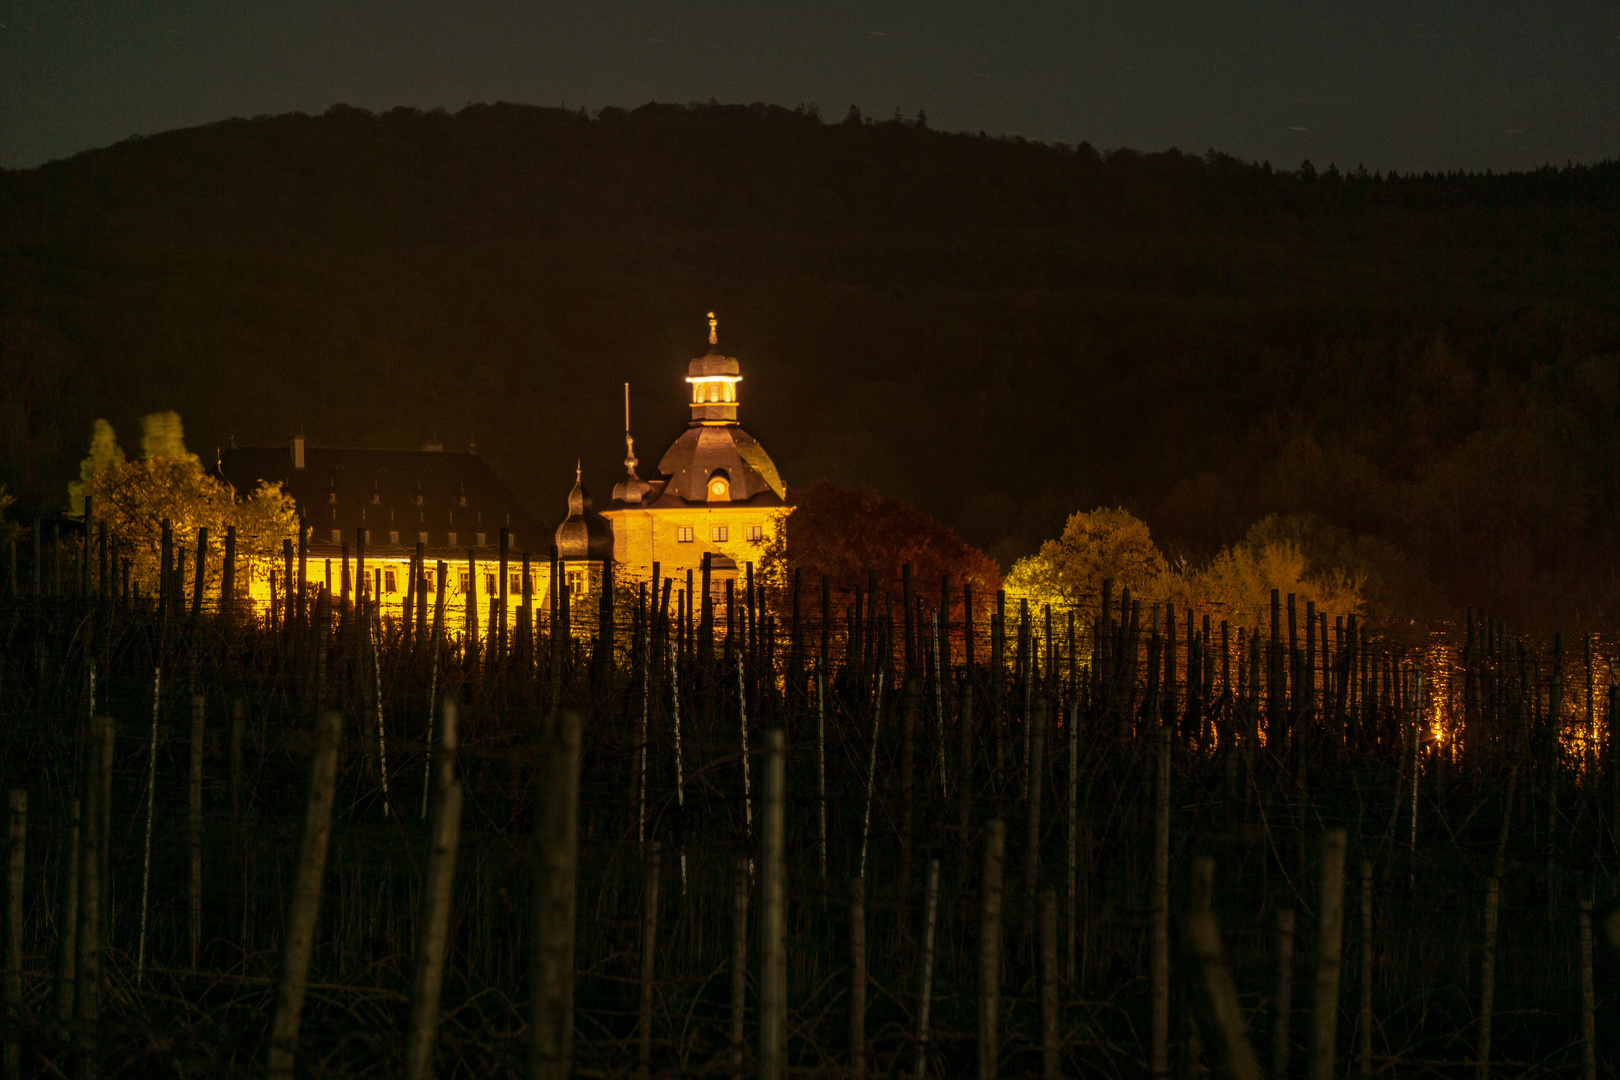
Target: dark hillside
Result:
[998, 331]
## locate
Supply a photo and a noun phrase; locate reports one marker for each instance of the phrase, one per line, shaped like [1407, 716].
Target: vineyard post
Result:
[857, 978]
[995, 838]
[437, 891]
[551, 1048]
[649, 949]
[1283, 998]
[772, 912]
[304, 905]
[925, 980]
[68, 919]
[1329, 945]
[194, 825]
[17, 847]
[1049, 985]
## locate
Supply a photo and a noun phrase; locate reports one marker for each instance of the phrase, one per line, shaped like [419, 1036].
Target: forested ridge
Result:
[998, 331]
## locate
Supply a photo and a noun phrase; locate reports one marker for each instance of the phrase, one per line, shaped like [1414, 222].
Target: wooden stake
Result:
[1588, 996]
[1035, 732]
[151, 807]
[1364, 1025]
[925, 978]
[649, 949]
[1049, 985]
[194, 826]
[1219, 1014]
[772, 911]
[1159, 1063]
[741, 874]
[87, 966]
[68, 921]
[304, 906]
[857, 978]
[551, 1049]
[17, 851]
[1487, 976]
[437, 890]
[995, 839]
[1329, 945]
[1283, 1000]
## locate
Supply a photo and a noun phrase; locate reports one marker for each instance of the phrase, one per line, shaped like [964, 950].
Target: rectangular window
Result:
[576, 582]
[481, 541]
[719, 534]
[337, 536]
[421, 538]
[466, 578]
[489, 584]
[452, 541]
[388, 582]
[683, 534]
[516, 584]
[756, 533]
[393, 538]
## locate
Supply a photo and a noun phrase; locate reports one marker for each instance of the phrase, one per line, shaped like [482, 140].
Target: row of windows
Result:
[576, 582]
[451, 539]
[718, 534]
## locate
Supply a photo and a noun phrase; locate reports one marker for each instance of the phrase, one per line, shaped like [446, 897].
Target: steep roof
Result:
[404, 491]
[702, 451]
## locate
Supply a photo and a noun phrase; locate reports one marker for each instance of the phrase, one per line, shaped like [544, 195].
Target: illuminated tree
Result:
[1097, 545]
[105, 453]
[135, 497]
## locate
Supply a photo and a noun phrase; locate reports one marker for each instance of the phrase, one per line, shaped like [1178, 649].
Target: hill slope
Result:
[1000, 332]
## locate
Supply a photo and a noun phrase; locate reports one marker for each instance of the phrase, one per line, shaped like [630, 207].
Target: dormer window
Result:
[331, 497]
[376, 499]
[419, 500]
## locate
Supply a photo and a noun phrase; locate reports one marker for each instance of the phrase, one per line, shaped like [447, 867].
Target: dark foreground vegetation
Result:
[999, 332]
[1019, 841]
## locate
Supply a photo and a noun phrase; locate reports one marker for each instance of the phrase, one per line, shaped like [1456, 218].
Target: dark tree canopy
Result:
[847, 533]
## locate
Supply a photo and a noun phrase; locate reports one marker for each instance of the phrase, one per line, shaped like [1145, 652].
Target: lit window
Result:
[393, 538]
[419, 500]
[489, 584]
[331, 497]
[376, 499]
[388, 582]
[337, 536]
[683, 534]
[462, 501]
[720, 534]
[516, 583]
[576, 582]
[452, 540]
[756, 532]
[481, 540]
[466, 578]
[421, 538]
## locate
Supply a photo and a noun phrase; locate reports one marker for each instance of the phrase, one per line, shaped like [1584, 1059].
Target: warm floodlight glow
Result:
[714, 378]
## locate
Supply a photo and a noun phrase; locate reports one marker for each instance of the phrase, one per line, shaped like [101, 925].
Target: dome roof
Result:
[701, 452]
[584, 534]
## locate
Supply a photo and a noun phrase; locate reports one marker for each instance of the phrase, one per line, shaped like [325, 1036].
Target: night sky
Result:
[1406, 86]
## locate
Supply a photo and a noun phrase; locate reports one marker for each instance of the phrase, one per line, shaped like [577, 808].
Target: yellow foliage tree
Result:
[1097, 545]
[135, 497]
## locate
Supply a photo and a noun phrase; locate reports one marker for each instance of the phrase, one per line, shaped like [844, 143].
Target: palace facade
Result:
[715, 492]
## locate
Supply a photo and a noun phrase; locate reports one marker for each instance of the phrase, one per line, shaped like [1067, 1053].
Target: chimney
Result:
[298, 451]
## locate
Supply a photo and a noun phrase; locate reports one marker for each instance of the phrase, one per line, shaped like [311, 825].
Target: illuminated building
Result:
[716, 491]
[451, 504]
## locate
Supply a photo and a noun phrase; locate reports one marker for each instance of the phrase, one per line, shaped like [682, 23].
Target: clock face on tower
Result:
[717, 488]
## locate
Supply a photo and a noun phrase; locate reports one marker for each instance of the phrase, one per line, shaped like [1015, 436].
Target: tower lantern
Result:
[714, 378]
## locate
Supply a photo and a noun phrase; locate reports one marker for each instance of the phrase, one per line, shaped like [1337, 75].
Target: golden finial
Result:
[714, 331]
[577, 470]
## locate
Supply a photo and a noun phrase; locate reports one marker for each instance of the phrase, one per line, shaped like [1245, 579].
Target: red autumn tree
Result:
[846, 533]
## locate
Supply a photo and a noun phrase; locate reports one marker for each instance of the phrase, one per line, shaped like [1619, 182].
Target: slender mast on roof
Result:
[714, 329]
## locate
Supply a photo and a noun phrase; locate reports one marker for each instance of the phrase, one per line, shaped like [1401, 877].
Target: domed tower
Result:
[584, 540]
[717, 490]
